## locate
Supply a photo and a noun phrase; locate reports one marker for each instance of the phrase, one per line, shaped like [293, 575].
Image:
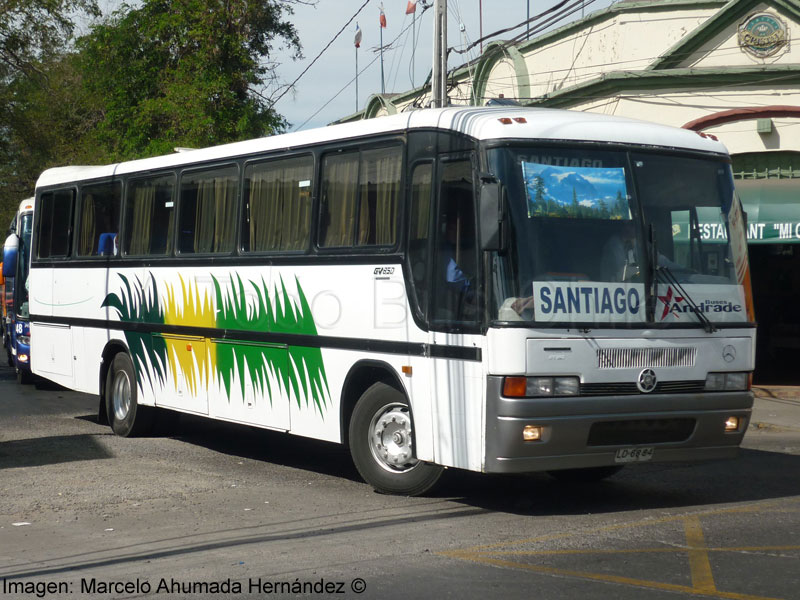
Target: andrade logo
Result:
[676, 305]
[763, 35]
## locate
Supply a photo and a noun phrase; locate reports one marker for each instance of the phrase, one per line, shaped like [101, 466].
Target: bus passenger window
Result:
[207, 211]
[149, 216]
[338, 202]
[360, 198]
[55, 223]
[277, 205]
[98, 223]
[379, 196]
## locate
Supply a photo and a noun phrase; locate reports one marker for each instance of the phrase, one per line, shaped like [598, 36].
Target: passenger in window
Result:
[456, 262]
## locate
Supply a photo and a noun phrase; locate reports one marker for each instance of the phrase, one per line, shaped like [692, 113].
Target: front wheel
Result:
[382, 444]
[126, 416]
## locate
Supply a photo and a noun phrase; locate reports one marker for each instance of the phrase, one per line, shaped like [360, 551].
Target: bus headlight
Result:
[718, 382]
[537, 387]
[24, 339]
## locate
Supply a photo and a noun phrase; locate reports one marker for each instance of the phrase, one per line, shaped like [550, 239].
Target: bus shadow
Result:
[325, 458]
[37, 452]
[756, 475]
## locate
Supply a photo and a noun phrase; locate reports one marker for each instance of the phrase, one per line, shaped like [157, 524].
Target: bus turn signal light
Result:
[514, 387]
[537, 387]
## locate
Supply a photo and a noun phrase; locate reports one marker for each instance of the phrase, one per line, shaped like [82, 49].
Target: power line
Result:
[290, 86]
[424, 8]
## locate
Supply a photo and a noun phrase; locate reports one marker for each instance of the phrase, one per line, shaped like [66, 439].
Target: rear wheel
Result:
[126, 416]
[382, 444]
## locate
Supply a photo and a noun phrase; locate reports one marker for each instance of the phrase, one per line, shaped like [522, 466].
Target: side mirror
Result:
[10, 253]
[491, 214]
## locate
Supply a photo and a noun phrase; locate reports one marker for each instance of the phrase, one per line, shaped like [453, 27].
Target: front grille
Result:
[639, 358]
[629, 388]
[642, 431]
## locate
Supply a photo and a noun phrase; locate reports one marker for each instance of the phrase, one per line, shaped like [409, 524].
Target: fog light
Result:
[532, 433]
[732, 424]
[22, 358]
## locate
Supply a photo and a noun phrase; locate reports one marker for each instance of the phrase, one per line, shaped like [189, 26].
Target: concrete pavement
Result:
[776, 407]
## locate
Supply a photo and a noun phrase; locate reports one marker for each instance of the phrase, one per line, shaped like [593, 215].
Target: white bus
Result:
[502, 290]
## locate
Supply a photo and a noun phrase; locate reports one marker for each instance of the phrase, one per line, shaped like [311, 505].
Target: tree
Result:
[183, 73]
[33, 36]
[31, 29]
[539, 201]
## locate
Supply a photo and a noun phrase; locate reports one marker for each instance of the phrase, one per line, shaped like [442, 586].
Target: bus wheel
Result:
[382, 444]
[587, 475]
[126, 417]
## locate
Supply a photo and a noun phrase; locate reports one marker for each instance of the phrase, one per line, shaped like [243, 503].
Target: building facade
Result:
[727, 68]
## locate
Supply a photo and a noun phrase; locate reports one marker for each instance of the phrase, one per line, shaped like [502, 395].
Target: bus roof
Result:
[26, 206]
[480, 123]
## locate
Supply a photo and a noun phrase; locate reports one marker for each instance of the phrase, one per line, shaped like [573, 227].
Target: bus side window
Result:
[55, 223]
[277, 205]
[455, 260]
[360, 200]
[419, 232]
[149, 216]
[99, 219]
[379, 197]
[207, 211]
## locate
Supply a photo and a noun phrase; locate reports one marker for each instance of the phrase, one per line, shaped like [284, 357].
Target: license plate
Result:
[627, 455]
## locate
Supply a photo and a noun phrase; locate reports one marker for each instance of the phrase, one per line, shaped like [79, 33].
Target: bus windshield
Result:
[603, 238]
[23, 264]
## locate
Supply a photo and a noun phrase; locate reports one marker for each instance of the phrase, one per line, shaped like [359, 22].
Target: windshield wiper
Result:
[667, 276]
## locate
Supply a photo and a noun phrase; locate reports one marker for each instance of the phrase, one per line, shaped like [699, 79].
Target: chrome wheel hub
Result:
[121, 395]
[391, 440]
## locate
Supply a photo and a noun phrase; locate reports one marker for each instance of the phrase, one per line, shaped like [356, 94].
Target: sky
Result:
[327, 91]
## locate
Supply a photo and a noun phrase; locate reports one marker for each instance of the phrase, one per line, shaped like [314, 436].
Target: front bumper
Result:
[587, 431]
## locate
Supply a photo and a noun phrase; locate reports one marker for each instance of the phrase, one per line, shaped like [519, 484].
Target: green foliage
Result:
[31, 30]
[34, 34]
[161, 74]
[182, 73]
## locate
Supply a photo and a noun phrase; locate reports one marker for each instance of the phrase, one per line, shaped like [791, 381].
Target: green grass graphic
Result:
[296, 367]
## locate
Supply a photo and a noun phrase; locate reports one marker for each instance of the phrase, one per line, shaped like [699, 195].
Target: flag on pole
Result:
[358, 36]
[411, 7]
[383, 17]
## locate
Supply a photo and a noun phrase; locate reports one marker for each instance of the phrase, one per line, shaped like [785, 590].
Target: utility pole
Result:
[439, 76]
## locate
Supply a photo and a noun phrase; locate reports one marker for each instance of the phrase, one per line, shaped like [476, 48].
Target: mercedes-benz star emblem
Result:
[729, 353]
[647, 381]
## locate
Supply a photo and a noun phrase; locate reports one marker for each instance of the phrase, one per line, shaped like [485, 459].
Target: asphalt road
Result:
[213, 510]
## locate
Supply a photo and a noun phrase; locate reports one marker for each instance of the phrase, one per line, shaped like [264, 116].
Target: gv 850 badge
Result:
[647, 381]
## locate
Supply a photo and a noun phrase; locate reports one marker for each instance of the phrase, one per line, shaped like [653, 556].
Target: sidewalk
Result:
[776, 407]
